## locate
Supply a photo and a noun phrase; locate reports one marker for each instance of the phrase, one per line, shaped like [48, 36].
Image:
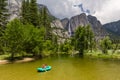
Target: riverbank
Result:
[109, 55]
[93, 54]
[27, 59]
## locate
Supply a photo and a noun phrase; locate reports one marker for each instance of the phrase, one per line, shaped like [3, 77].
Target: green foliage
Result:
[48, 45]
[19, 38]
[45, 21]
[3, 13]
[13, 37]
[65, 47]
[31, 15]
[1, 40]
[33, 12]
[33, 39]
[30, 12]
[105, 44]
[83, 39]
[55, 43]
[25, 12]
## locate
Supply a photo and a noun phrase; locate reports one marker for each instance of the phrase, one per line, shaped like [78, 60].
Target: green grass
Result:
[4, 56]
[99, 54]
[17, 56]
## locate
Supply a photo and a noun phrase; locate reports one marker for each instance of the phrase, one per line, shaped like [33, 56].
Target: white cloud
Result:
[109, 12]
[105, 10]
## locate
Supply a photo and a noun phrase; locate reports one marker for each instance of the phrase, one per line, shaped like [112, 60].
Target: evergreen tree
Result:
[80, 40]
[46, 24]
[33, 13]
[3, 20]
[25, 13]
[1, 40]
[28, 11]
[40, 16]
[3, 13]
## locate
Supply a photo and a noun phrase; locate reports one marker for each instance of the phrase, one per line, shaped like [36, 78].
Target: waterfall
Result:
[69, 30]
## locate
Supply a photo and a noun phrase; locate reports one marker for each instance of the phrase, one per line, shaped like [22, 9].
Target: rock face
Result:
[83, 20]
[58, 30]
[113, 28]
[41, 6]
[57, 27]
[97, 28]
[65, 23]
[14, 7]
[79, 20]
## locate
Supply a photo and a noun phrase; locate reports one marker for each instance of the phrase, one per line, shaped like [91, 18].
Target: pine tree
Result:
[33, 13]
[25, 13]
[28, 11]
[46, 24]
[3, 13]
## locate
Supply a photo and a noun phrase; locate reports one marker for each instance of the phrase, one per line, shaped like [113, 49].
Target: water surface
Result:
[63, 68]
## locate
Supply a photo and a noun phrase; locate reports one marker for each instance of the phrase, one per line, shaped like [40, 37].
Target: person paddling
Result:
[44, 66]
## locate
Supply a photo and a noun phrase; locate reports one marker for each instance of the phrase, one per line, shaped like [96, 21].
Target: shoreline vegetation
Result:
[94, 54]
[99, 54]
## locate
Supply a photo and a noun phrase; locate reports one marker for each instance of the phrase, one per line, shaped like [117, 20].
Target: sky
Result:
[105, 10]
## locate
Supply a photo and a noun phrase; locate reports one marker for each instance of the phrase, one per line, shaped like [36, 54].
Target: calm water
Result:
[63, 68]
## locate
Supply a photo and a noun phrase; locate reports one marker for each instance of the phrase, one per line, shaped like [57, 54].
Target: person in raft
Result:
[44, 65]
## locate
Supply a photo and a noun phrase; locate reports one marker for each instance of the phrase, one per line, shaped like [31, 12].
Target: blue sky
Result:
[105, 10]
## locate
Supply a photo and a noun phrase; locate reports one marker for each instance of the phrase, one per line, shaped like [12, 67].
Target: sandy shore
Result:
[17, 61]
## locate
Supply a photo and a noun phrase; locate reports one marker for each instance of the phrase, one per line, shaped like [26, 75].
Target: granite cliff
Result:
[83, 20]
[14, 8]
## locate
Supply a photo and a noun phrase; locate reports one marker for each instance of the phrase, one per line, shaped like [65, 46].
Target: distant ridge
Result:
[113, 28]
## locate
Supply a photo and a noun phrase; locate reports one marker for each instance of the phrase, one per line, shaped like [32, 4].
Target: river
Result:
[63, 68]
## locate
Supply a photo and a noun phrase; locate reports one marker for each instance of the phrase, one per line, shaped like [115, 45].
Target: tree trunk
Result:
[81, 52]
[12, 56]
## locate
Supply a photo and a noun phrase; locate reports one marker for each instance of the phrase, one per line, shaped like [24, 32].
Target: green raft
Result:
[47, 68]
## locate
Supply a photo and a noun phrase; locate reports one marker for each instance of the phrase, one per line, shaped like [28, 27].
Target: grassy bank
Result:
[4, 56]
[109, 55]
[16, 57]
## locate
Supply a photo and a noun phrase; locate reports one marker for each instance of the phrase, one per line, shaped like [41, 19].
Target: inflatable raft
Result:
[47, 68]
